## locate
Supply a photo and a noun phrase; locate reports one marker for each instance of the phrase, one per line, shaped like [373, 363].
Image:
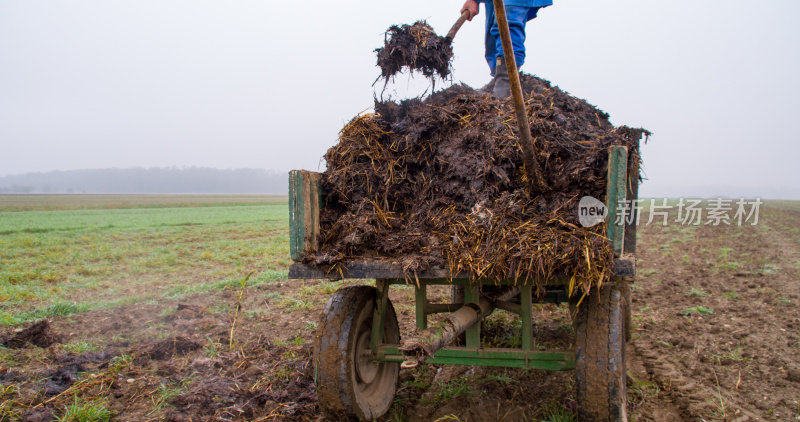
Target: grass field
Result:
[60, 257]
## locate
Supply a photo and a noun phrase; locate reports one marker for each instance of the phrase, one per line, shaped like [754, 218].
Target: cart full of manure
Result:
[433, 191]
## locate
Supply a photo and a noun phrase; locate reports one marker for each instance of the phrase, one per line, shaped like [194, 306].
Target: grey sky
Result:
[90, 84]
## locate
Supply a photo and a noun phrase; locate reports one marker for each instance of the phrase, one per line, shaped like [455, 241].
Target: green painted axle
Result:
[511, 358]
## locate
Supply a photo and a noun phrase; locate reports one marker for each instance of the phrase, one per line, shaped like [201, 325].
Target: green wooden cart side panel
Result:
[304, 203]
[632, 194]
[512, 358]
[615, 195]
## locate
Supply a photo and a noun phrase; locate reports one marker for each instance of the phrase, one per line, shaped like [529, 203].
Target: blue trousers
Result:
[518, 16]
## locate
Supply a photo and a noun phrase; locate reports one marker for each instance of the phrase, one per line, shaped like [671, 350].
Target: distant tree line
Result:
[148, 180]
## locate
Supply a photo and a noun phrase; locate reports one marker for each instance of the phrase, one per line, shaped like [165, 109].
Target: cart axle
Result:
[417, 349]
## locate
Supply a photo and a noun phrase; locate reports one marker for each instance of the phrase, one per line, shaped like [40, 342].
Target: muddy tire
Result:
[351, 385]
[600, 356]
[626, 296]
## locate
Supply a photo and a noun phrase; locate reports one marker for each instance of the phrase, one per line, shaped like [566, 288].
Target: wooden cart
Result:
[356, 351]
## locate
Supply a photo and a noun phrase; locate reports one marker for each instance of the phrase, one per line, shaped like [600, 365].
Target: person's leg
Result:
[490, 40]
[517, 18]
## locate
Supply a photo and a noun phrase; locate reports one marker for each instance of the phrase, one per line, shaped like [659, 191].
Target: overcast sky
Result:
[228, 84]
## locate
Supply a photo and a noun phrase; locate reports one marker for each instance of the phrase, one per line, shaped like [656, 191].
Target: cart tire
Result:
[350, 385]
[600, 356]
[626, 296]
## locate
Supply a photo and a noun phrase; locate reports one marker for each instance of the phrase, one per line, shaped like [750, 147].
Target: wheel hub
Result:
[365, 362]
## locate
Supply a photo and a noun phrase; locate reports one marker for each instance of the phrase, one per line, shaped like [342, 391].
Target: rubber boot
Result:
[502, 86]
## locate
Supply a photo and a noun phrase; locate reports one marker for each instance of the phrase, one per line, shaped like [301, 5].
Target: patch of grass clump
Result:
[291, 304]
[697, 292]
[643, 390]
[500, 378]
[702, 310]
[558, 413]
[164, 393]
[446, 391]
[63, 309]
[729, 265]
[767, 269]
[731, 355]
[119, 363]
[79, 346]
[212, 348]
[86, 411]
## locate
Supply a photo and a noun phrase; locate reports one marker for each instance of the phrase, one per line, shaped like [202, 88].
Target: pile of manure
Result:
[440, 183]
[417, 47]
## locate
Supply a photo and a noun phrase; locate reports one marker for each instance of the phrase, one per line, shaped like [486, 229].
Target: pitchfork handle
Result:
[457, 25]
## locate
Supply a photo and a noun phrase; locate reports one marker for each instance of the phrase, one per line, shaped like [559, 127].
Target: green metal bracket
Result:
[472, 294]
[499, 357]
[420, 300]
[379, 316]
[615, 196]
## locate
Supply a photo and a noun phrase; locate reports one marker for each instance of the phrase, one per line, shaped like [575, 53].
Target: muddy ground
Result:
[716, 337]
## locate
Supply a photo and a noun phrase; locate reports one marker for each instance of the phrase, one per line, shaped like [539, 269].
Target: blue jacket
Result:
[523, 3]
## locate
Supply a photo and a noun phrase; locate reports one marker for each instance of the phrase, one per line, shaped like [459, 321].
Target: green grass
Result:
[558, 413]
[702, 310]
[500, 378]
[58, 262]
[120, 363]
[767, 269]
[123, 201]
[642, 390]
[86, 411]
[730, 295]
[731, 355]
[293, 304]
[696, 292]
[164, 393]
[446, 391]
[212, 348]
[79, 346]
[730, 265]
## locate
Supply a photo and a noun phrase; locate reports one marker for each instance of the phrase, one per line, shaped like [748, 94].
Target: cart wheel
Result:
[600, 356]
[626, 296]
[351, 384]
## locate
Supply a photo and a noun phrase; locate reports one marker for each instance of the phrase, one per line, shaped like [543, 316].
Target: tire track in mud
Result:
[735, 364]
[687, 394]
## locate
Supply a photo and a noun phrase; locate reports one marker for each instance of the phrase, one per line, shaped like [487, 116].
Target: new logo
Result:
[591, 211]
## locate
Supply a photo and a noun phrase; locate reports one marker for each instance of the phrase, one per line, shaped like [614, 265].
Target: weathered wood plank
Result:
[624, 266]
[363, 269]
[615, 196]
[304, 202]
